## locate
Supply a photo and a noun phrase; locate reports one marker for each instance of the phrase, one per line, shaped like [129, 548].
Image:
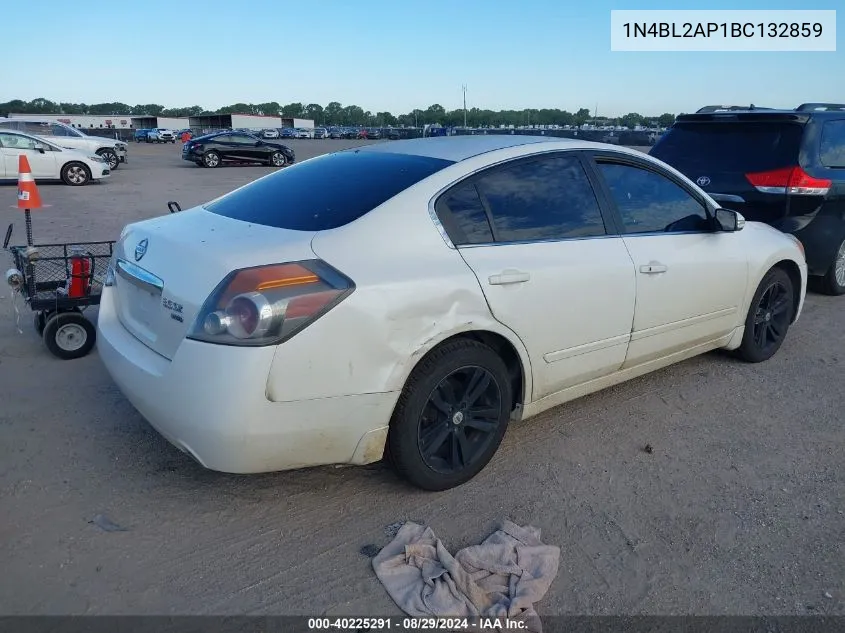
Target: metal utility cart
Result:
[59, 281]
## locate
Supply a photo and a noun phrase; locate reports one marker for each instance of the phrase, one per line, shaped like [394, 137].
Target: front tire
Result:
[110, 157]
[769, 317]
[451, 416]
[76, 174]
[69, 335]
[833, 283]
[211, 159]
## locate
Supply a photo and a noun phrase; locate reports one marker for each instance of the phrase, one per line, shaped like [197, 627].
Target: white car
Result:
[269, 134]
[113, 151]
[161, 135]
[438, 290]
[48, 161]
[303, 133]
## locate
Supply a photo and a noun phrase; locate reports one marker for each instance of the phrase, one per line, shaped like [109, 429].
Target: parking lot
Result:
[735, 508]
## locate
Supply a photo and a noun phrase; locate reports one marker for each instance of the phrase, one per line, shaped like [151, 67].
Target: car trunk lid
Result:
[167, 267]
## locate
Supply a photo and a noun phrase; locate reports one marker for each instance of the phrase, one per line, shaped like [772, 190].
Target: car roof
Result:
[458, 148]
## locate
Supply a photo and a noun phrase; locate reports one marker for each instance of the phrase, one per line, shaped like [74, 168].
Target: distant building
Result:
[209, 122]
[111, 121]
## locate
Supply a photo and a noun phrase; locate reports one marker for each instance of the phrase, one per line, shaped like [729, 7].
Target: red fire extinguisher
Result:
[80, 274]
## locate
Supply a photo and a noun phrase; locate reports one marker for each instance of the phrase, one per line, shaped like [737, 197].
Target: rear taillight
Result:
[791, 180]
[268, 304]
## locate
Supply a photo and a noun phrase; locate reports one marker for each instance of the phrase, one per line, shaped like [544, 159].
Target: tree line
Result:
[335, 113]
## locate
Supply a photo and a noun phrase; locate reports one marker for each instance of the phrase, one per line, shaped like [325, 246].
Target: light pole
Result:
[465, 105]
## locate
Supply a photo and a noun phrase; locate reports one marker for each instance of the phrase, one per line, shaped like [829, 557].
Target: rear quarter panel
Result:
[412, 292]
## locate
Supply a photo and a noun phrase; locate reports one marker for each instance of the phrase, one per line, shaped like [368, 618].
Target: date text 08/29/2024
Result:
[414, 624]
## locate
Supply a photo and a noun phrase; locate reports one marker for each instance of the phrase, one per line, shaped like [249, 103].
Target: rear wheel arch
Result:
[511, 352]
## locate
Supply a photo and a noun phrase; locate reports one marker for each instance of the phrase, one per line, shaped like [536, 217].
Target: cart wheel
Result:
[40, 320]
[69, 335]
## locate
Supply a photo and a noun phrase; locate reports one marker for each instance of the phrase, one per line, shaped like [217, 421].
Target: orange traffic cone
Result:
[28, 196]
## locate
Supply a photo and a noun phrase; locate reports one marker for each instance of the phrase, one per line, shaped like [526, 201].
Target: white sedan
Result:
[421, 295]
[49, 161]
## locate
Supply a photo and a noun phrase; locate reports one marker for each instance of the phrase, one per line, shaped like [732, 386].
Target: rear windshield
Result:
[745, 147]
[326, 192]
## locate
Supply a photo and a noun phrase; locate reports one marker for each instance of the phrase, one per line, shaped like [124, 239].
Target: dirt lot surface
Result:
[738, 508]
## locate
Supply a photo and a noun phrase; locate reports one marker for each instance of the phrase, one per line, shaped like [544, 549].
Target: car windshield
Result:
[738, 146]
[326, 192]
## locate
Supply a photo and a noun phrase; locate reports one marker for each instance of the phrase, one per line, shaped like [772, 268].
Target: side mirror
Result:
[729, 221]
[40, 150]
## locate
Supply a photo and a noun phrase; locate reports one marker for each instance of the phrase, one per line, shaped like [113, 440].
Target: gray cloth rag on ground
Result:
[500, 578]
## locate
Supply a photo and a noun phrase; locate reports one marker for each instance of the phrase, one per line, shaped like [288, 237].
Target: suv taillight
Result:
[791, 180]
[266, 305]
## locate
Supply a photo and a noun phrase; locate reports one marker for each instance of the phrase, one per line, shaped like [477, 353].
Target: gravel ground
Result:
[737, 509]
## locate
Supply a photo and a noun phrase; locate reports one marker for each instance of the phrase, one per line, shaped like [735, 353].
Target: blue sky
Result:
[392, 56]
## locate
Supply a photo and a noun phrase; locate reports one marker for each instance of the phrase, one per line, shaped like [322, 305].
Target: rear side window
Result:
[832, 147]
[463, 216]
[730, 147]
[326, 192]
[37, 129]
[547, 198]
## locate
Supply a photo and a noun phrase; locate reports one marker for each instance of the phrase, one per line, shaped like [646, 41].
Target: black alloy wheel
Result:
[451, 416]
[768, 317]
[460, 420]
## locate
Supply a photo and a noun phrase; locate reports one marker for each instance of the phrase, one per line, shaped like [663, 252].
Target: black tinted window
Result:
[463, 216]
[549, 198]
[326, 192]
[730, 147]
[832, 149]
[240, 139]
[649, 202]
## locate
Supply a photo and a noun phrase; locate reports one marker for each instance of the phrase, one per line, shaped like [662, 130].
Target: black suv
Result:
[782, 167]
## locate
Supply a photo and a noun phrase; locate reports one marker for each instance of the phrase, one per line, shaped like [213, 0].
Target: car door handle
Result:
[508, 277]
[653, 268]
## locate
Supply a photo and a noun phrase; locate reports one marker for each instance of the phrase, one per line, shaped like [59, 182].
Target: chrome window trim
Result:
[432, 203]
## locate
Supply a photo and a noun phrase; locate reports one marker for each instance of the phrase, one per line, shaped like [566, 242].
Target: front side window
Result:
[649, 202]
[548, 198]
[240, 139]
[15, 141]
[61, 130]
[832, 148]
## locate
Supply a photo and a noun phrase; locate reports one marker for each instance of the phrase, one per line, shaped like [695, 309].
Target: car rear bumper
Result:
[210, 401]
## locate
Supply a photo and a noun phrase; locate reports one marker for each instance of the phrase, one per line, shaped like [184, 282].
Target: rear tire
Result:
[69, 335]
[833, 282]
[451, 416]
[769, 317]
